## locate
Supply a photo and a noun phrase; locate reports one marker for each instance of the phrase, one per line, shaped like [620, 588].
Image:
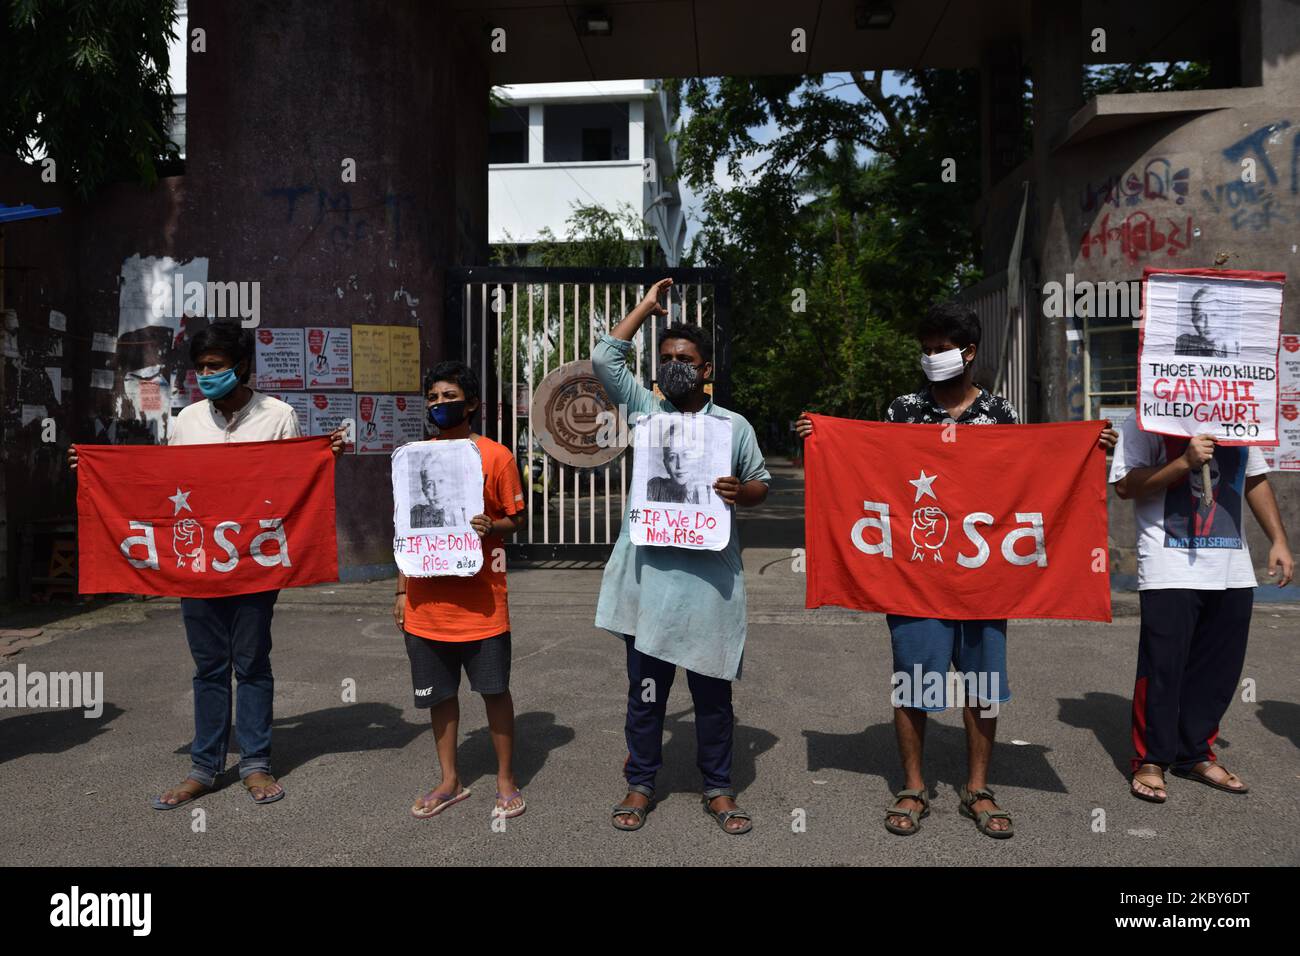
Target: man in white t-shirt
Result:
[231, 633]
[1196, 586]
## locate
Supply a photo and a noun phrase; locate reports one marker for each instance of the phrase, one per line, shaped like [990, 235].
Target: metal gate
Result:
[515, 325]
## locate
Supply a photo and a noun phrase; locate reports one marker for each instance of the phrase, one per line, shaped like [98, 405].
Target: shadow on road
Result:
[680, 774]
[1282, 717]
[1109, 717]
[51, 731]
[354, 728]
[536, 736]
[874, 753]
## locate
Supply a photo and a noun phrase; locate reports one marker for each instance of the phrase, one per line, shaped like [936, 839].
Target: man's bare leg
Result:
[445, 717]
[980, 732]
[909, 728]
[501, 723]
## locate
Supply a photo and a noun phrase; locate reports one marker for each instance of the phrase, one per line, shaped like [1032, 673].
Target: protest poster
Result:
[329, 358]
[1286, 456]
[375, 425]
[1208, 354]
[437, 490]
[409, 418]
[328, 411]
[167, 519]
[300, 402]
[676, 459]
[279, 359]
[1006, 521]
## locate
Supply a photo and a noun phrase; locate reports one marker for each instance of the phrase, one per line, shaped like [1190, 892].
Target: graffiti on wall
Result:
[346, 223]
[1139, 235]
[1157, 181]
[1255, 205]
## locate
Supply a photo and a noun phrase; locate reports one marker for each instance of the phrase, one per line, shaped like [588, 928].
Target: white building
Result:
[556, 145]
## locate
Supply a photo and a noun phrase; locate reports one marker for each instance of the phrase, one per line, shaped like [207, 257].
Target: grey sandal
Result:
[623, 810]
[916, 816]
[725, 816]
[969, 797]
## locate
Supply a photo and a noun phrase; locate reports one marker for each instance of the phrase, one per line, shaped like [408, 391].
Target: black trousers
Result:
[1190, 655]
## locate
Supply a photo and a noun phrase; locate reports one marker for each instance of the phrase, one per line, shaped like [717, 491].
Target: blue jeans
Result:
[224, 634]
[650, 677]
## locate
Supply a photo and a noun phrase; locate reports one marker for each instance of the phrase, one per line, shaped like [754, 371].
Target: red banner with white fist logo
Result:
[961, 522]
[205, 520]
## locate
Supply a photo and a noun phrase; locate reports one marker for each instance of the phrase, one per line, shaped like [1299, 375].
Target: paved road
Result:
[813, 735]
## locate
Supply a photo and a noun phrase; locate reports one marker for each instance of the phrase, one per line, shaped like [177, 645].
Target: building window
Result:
[585, 132]
[508, 135]
[1110, 367]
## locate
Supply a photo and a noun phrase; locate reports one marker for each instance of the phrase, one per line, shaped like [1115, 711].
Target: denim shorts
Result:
[925, 646]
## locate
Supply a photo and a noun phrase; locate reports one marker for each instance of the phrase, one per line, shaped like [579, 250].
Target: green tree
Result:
[85, 83]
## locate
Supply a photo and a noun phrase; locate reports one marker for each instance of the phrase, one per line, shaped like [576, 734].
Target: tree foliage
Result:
[838, 231]
[85, 83]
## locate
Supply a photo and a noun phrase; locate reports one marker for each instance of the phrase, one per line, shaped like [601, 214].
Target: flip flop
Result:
[502, 812]
[1192, 774]
[263, 799]
[447, 801]
[158, 803]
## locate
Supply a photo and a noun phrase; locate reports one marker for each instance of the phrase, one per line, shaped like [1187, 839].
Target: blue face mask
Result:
[447, 414]
[219, 384]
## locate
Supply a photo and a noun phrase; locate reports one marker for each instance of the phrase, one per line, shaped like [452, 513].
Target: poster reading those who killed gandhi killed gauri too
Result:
[1208, 356]
[676, 459]
[437, 490]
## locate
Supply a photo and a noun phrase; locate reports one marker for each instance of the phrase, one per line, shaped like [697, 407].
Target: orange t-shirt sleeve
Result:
[505, 486]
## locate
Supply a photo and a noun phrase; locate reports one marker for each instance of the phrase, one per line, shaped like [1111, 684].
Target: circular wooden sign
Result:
[569, 415]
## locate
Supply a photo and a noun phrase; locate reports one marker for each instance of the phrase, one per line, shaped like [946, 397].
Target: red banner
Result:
[961, 522]
[205, 520]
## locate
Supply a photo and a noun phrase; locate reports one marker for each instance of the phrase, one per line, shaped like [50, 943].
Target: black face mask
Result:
[677, 379]
[447, 414]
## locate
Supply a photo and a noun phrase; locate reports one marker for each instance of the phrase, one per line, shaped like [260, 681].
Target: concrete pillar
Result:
[536, 134]
[284, 94]
[1270, 44]
[1057, 37]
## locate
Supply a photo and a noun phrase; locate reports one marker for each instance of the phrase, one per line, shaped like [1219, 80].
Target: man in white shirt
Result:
[230, 632]
[1196, 586]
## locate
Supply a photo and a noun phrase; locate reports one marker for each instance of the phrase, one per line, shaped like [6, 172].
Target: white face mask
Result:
[943, 366]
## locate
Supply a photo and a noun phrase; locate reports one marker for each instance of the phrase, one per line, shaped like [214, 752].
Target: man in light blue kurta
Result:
[675, 606]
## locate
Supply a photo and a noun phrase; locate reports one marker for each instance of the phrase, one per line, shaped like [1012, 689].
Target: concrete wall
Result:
[283, 95]
[1259, 225]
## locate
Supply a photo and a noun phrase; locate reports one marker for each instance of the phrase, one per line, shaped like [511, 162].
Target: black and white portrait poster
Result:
[1208, 354]
[676, 459]
[437, 489]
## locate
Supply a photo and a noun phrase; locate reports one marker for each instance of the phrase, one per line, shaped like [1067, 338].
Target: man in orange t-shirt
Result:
[451, 623]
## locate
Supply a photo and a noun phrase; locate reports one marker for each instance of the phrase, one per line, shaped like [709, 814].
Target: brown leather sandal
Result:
[1152, 772]
[1198, 773]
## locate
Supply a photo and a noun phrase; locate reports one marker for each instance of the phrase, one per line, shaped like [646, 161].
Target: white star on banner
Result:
[922, 486]
[181, 500]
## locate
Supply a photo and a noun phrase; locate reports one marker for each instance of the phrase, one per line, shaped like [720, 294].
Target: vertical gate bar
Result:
[514, 369]
[528, 451]
[558, 362]
[499, 368]
[469, 324]
[546, 459]
[622, 455]
[577, 478]
[591, 474]
[483, 342]
[607, 304]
